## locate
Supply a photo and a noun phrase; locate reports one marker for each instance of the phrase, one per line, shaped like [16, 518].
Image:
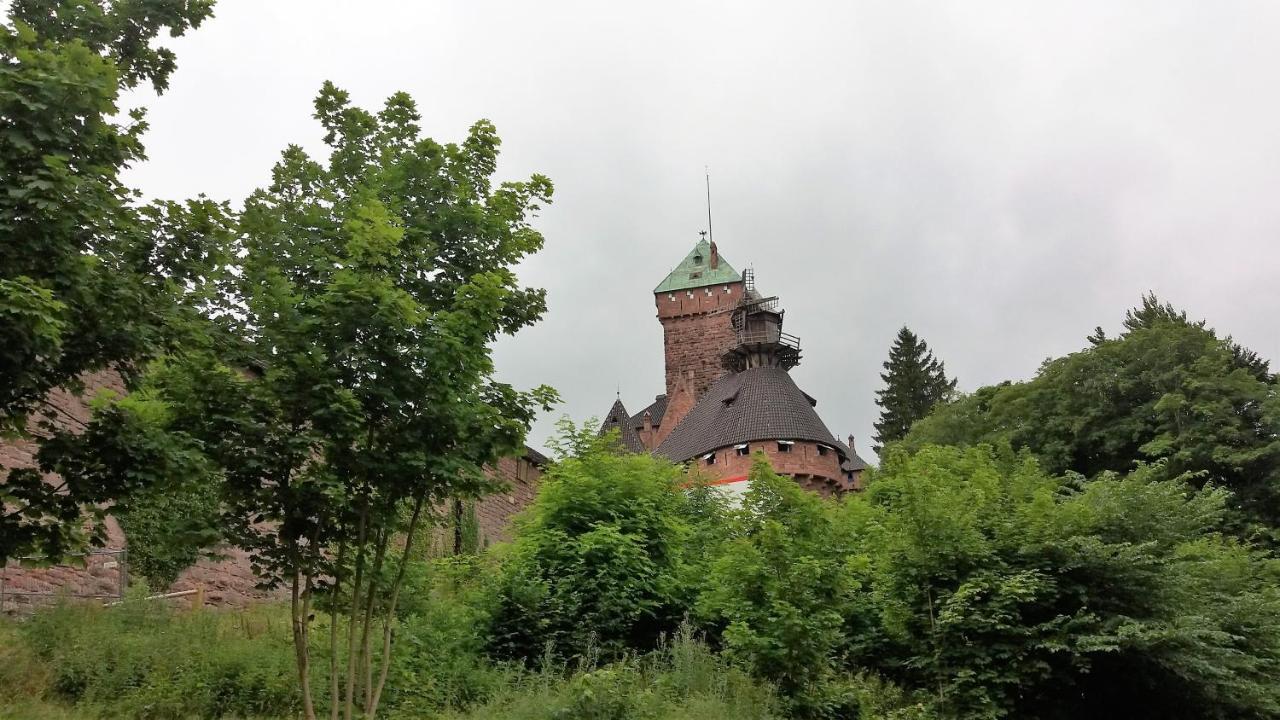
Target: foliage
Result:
[443, 636]
[783, 590]
[914, 381]
[1166, 389]
[169, 528]
[80, 288]
[120, 452]
[1008, 593]
[682, 680]
[143, 660]
[598, 558]
[364, 295]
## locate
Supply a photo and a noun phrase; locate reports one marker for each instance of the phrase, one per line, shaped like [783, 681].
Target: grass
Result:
[144, 660]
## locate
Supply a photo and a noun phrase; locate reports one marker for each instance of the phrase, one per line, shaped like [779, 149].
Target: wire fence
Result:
[28, 582]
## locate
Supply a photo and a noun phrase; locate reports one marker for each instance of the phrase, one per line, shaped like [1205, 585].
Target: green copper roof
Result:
[695, 271]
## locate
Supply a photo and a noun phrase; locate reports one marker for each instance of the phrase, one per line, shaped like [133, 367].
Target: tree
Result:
[783, 591]
[598, 560]
[1005, 592]
[88, 280]
[360, 394]
[914, 383]
[1165, 389]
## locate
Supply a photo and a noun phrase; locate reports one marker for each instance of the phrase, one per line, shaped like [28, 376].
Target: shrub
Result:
[783, 591]
[597, 561]
[1007, 593]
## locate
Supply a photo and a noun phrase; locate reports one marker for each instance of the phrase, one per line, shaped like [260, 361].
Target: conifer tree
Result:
[915, 381]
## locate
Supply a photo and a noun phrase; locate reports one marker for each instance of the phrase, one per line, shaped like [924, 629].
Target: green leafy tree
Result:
[597, 561]
[88, 280]
[783, 590]
[1165, 389]
[915, 381]
[365, 296]
[1008, 593]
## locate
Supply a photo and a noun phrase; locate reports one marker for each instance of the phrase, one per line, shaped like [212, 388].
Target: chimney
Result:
[648, 421]
[715, 256]
[851, 448]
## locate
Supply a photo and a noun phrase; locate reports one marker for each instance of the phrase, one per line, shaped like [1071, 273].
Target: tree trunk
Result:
[391, 609]
[297, 613]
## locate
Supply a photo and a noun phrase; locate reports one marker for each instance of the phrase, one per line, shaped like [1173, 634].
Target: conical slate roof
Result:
[619, 419]
[761, 403]
[695, 271]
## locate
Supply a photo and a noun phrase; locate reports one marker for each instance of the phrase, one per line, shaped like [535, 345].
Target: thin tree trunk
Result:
[297, 613]
[366, 664]
[334, 700]
[391, 608]
[457, 527]
[355, 610]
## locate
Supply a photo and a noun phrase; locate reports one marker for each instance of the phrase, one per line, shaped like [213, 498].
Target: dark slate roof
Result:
[755, 404]
[853, 462]
[656, 410]
[535, 457]
[619, 419]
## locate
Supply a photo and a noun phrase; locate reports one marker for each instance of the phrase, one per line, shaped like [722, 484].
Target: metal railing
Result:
[768, 335]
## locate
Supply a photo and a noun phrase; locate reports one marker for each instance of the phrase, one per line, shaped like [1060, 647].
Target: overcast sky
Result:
[999, 176]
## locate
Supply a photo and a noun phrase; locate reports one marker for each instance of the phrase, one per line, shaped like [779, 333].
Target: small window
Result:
[784, 446]
[697, 259]
[695, 275]
[822, 450]
[743, 449]
[710, 458]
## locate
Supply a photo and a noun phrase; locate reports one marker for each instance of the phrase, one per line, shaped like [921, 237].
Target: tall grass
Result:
[144, 660]
[682, 680]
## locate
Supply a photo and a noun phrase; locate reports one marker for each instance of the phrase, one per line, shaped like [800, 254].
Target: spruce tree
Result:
[915, 381]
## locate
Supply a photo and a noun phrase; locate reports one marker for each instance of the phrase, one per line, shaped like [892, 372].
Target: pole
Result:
[710, 234]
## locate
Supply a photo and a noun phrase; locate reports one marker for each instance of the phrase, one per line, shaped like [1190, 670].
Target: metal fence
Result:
[27, 582]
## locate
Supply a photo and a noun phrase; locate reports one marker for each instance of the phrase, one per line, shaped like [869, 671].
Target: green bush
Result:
[784, 591]
[598, 562]
[442, 637]
[1004, 592]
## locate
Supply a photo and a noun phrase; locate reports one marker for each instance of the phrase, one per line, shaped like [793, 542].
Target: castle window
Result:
[728, 289]
[697, 259]
[822, 450]
[710, 458]
[784, 446]
[743, 449]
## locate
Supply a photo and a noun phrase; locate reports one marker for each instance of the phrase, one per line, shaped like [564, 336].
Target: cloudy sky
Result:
[999, 176]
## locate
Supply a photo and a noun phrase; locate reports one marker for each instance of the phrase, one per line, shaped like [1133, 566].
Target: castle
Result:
[728, 395]
[729, 392]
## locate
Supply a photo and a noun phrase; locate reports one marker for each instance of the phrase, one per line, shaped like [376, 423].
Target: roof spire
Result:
[711, 235]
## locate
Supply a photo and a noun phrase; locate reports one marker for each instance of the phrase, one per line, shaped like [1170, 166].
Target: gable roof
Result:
[761, 403]
[656, 410]
[621, 421]
[695, 271]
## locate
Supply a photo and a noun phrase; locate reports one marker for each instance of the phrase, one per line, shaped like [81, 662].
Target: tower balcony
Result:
[765, 346]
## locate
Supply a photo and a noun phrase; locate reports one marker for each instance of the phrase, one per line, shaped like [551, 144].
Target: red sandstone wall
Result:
[696, 332]
[495, 512]
[820, 473]
[229, 579]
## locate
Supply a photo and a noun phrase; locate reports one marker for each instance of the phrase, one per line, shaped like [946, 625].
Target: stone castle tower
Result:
[729, 392]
